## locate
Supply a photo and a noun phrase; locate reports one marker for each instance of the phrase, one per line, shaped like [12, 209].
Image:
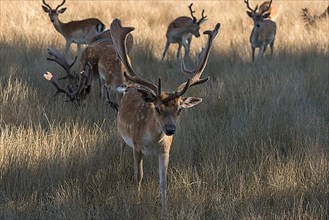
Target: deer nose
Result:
[169, 129]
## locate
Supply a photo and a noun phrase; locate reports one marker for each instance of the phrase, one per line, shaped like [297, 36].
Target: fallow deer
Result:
[181, 30]
[311, 20]
[78, 32]
[147, 115]
[98, 60]
[263, 32]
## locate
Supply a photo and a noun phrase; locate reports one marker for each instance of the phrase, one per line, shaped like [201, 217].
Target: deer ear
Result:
[47, 10]
[61, 11]
[189, 102]
[250, 14]
[266, 15]
[146, 95]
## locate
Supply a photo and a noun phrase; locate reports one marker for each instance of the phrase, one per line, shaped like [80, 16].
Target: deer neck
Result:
[59, 26]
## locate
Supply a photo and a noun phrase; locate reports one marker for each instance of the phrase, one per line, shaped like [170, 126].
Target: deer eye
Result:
[179, 111]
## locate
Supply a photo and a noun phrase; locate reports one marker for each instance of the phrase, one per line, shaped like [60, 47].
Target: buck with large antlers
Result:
[264, 30]
[98, 61]
[147, 115]
[181, 30]
[78, 32]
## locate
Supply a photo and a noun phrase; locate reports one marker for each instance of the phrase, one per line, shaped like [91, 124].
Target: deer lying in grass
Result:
[311, 20]
[98, 61]
[147, 115]
[78, 32]
[181, 30]
[264, 30]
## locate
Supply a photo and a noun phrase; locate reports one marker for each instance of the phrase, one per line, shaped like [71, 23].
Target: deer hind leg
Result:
[138, 171]
[165, 50]
[163, 168]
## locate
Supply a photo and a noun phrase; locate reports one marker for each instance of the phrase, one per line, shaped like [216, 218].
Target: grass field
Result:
[256, 147]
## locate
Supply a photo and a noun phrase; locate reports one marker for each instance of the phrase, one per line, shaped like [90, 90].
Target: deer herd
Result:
[146, 115]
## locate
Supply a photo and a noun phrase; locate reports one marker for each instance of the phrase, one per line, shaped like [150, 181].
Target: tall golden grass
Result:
[256, 148]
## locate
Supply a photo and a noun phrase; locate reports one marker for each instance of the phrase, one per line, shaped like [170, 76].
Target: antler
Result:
[203, 18]
[60, 5]
[59, 58]
[68, 91]
[248, 6]
[196, 73]
[267, 8]
[44, 2]
[202, 60]
[83, 80]
[192, 12]
[119, 35]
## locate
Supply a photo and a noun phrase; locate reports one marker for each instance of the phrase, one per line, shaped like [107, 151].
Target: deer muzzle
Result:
[169, 129]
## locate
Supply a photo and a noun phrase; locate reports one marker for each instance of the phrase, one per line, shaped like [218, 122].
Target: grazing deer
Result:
[98, 60]
[78, 32]
[263, 32]
[181, 30]
[311, 20]
[147, 115]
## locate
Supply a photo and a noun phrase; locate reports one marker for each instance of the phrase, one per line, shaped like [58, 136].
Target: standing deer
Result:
[147, 115]
[263, 32]
[181, 30]
[78, 32]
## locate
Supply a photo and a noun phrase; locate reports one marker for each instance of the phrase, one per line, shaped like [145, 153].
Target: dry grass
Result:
[256, 148]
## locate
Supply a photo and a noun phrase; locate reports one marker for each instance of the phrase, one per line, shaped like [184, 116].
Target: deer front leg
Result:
[78, 50]
[272, 48]
[187, 46]
[165, 50]
[138, 169]
[261, 51]
[163, 168]
[252, 53]
[178, 50]
[67, 47]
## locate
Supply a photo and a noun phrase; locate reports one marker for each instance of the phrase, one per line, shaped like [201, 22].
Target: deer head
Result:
[53, 13]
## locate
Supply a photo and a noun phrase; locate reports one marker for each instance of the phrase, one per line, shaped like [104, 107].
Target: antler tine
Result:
[44, 2]
[202, 60]
[136, 79]
[190, 7]
[60, 4]
[60, 59]
[49, 76]
[248, 6]
[178, 93]
[119, 35]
